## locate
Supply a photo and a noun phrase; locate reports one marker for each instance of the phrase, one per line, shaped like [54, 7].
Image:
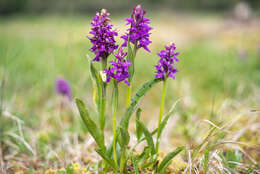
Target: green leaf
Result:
[144, 155]
[249, 171]
[148, 164]
[61, 172]
[138, 128]
[165, 120]
[148, 137]
[197, 149]
[136, 99]
[124, 137]
[106, 158]
[165, 168]
[233, 156]
[206, 161]
[90, 124]
[169, 157]
[143, 137]
[30, 171]
[70, 169]
[130, 57]
[96, 77]
[135, 165]
[109, 150]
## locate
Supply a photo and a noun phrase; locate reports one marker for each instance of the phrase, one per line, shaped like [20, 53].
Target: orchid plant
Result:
[118, 156]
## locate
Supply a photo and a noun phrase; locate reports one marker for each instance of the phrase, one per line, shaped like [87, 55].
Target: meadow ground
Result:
[218, 86]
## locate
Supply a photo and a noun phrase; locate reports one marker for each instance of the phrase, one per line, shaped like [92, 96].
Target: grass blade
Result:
[165, 120]
[135, 165]
[197, 149]
[206, 161]
[169, 157]
[148, 137]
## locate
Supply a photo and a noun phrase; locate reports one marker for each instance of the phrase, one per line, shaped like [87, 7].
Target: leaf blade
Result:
[148, 137]
[130, 57]
[90, 124]
[165, 120]
[136, 99]
[169, 157]
[106, 158]
[138, 128]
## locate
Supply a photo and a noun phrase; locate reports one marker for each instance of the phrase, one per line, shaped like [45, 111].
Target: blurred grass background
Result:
[216, 59]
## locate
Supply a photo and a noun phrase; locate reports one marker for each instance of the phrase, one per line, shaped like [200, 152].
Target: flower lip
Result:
[139, 30]
[119, 69]
[166, 65]
[102, 37]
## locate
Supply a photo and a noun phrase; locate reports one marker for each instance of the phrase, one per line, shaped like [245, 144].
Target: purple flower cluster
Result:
[63, 88]
[166, 65]
[138, 33]
[103, 36]
[119, 69]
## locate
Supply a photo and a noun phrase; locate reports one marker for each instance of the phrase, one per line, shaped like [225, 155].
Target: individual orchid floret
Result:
[166, 65]
[63, 88]
[102, 38]
[139, 30]
[119, 69]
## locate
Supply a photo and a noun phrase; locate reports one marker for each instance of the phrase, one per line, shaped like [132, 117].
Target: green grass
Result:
[34, 51]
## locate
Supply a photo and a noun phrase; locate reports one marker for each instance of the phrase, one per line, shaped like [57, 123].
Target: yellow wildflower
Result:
[84, 170]
[76, 166]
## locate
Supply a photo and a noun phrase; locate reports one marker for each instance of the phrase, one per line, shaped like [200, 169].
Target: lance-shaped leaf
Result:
[165, 120]
[124, 138]
[206, 161]
[138, 129]
[106, 158]
[96, 77]
[198, 148]
[165, 168]
[148, 137]
[70, 169]
[136, 99]
[144, 155]
[90, 124]
[135, 165]
[135, 102]
[130, 57]
[168, 158]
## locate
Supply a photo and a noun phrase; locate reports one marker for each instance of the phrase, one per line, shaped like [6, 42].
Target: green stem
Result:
[114, 109]
[103, 102]
[122, 160]
[161, 113]
[128, 95]
[102, 110]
